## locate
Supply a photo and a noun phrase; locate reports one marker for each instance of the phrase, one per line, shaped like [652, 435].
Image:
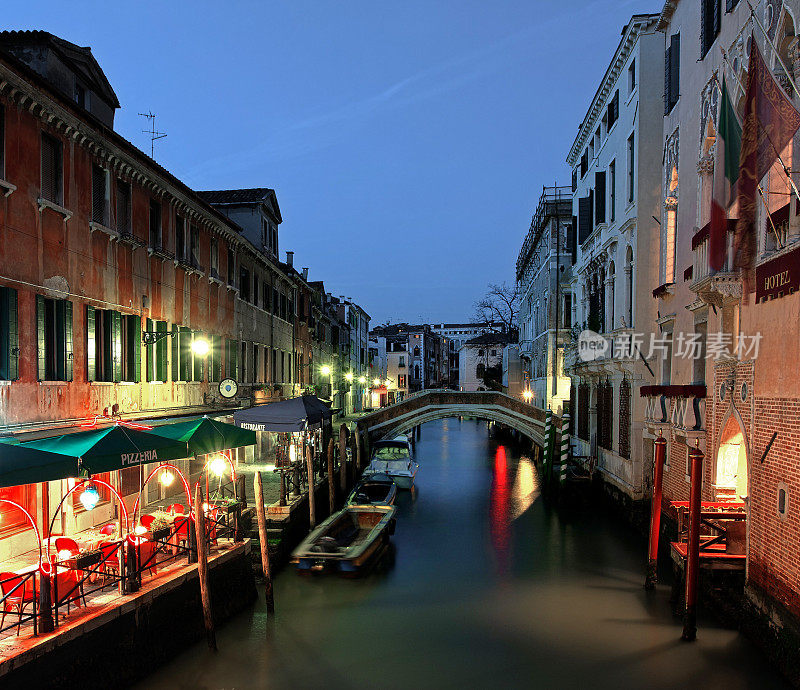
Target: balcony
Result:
[686, 416]
[718, 288]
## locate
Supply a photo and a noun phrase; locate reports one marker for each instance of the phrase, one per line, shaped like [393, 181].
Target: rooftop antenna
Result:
[154, 134]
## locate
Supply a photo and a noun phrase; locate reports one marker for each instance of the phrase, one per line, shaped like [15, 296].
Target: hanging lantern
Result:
[166, 478]
[218, 465]
[90, 496]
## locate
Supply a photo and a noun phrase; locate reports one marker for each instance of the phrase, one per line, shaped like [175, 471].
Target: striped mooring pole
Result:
[548, 429]
[564, 447]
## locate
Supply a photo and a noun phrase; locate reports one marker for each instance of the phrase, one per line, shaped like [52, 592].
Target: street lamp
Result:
[527, 394]
[325, 370]
[376, 382]
[200, 346]
[349, 376]
[362, 379]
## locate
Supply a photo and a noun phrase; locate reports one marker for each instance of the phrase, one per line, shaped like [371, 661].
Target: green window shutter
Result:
[186, 353]
[91, 345]
[150, 365]
[135, 347]
[7, 327]
[13, 336]
[161, 352]
[41, 346]
[68, 344]
[116, 344]
[199, 361]
[175, 368]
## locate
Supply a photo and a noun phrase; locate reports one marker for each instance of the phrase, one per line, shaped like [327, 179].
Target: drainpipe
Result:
[655, 511]
[693, 547]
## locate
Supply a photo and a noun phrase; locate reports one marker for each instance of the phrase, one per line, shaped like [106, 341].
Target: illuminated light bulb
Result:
[166, 478]
[140, 529]
[63, 555]
[218, 465]
[362, 379]
[376, 382]
[90, 497]
[325, 370]
[349, 375]
[206, 506]
[292, 453]
[200, 347]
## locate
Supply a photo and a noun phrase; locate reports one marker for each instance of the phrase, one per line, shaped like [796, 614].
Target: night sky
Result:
[407, 142]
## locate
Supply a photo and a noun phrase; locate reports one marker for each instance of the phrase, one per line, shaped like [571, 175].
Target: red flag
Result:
[770, 121]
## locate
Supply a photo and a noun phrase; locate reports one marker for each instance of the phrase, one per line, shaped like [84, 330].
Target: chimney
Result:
[289, 258]
[305, 273]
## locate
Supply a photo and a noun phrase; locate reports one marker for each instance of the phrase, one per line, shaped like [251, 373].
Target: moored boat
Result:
[348, 541]
[395, 458]
[373, 489]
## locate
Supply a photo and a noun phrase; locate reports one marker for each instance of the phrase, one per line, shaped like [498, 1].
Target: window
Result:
[156, 354]
[54, 339]
[584, 162]
[612, 111]
[283, 366]
[266, 300]
[666, 359]
[244, 283]
[274, 366]
[631, 169]
[99, 195]
[113, 346]
[155, 225]
[612, 184]
[416, 372]
[668, 254]
[180, 239]
[600, 197]
[401, 381]
[783, 500]
[13, 518]
[9, 335]
[199, 361]
[632, 76]
[255, 361]
[80, 95]
[267, 367]
[52, 170]
[255, 289]
[710, 15]
[231, 369]
[699, 353]
[567, 319]
[2, 142]
[215, 258]
[480, 353]
[181, 353]
[215, 353]
[401, 362]
[123, 207]
[494, 353]
[231, 266]
[194, 246]
[276, 302]
[416, 351]
[672, 67]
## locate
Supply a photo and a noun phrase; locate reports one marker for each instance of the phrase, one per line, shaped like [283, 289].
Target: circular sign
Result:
[228, 388]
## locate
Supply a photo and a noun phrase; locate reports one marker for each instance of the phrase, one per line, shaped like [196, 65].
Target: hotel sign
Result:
[778, 277]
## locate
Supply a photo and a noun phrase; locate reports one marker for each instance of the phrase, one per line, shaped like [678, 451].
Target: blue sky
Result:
[407, 142]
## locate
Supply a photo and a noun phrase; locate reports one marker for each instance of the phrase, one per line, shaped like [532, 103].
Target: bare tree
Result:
[499, 306]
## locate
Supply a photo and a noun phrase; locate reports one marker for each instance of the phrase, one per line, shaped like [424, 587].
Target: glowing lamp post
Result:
[90, 496]
[527, 394]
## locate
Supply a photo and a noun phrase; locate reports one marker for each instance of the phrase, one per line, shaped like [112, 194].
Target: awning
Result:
[206, 435]
[22, 465]
[113, 448]
[283, 416]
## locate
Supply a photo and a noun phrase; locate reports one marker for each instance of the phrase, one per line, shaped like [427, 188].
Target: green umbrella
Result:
[112, 448]
[206, 435]
[20, 464]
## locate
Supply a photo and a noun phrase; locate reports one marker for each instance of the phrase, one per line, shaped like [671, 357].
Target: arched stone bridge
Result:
[438, 404]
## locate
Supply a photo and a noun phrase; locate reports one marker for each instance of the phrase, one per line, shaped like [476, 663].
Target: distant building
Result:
[457, 334]
[545, 310]
[480, 362]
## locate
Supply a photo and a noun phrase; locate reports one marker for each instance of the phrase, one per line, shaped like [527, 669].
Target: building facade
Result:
[480, 362]
[545, 311]
[615, 181]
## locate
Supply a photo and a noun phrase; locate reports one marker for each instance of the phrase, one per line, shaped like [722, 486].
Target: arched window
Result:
[480, 370]
[416, 352]
[629, 287]
[612, 296]
[416, 371]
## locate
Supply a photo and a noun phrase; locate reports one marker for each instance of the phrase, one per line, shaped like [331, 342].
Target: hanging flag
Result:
[770, 122]
[726, 172]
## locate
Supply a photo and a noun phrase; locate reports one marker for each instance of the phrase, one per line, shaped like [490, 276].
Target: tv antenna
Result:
[154, 134]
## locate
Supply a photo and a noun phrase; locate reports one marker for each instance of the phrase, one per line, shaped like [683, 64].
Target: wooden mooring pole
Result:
[331, 479]
[693, 547]
[312, 499]
[655, 511]
[202, 567]
[263, 539]
[358, 452]
[343, 458]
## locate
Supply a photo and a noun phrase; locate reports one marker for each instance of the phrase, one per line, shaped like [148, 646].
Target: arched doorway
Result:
[730, 478]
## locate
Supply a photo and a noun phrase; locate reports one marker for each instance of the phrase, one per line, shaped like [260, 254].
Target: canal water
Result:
[486, 586]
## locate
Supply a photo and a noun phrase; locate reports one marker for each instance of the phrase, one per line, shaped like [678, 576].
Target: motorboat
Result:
[395, 458]
[373, 490]
[348, 541]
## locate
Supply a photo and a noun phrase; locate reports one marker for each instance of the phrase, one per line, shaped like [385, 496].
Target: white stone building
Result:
[616, 159]
[480, 361]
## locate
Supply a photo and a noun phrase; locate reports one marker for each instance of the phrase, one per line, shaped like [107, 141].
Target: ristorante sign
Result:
[778, 277]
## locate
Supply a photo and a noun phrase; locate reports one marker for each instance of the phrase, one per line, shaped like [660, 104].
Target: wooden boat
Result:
[396, 459]
[347, 542]
[373, 490]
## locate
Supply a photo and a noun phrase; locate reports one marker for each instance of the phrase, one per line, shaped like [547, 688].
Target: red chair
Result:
[110, 557]
[108, 529]
[21, 597]
[67, 544]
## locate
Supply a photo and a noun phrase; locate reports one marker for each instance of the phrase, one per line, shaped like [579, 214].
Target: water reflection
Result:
[489, 587]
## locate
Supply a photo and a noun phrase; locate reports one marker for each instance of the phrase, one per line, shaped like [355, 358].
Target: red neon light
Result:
[150, 476]
[118, 422]
[33, 524]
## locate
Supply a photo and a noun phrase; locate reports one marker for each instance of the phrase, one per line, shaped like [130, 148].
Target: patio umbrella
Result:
[113, 448]
[286, 415]
[206, 435]
[20, 464]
